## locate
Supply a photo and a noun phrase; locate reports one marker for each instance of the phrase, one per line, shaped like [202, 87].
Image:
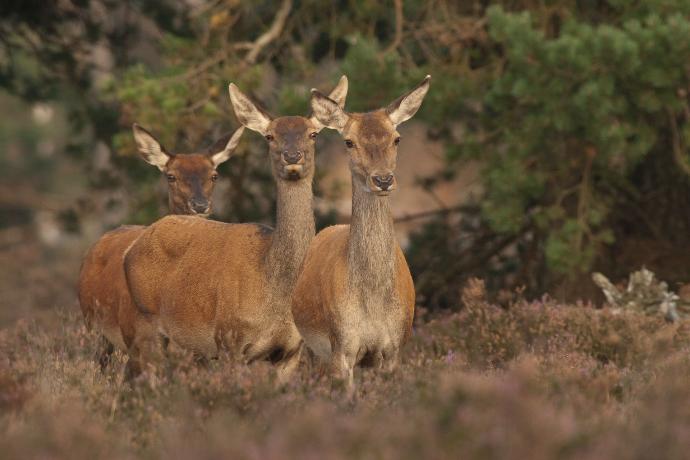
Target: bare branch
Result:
[399, 19]
[678, 156]
[271, 34]
[431, 213]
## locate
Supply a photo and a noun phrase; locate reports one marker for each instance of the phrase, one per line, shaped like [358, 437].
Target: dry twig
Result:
[399, 19]
[271, 34]
[680, 160]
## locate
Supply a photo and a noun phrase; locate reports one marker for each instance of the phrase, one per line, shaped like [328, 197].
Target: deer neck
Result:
[371, 250]
[293, 233]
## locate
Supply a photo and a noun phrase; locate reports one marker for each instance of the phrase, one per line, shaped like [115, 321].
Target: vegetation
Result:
[535, 380]
[578, 113]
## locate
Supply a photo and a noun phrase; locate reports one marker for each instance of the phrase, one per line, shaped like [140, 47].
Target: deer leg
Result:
[144, 344]
[377, 360]
[289, 364]
[391, 360]
[133, 366]
[104, 352]
[165, 343]
[342, 367]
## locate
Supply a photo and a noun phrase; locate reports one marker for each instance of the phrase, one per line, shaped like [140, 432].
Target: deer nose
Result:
[199, 206]
[292, 158]
[383, 181]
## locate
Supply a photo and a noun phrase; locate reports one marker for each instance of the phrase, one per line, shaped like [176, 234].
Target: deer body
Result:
[356, 292]
[103, 293]
[354, 300]
[230, 288]
[211, 285]
[102, 287]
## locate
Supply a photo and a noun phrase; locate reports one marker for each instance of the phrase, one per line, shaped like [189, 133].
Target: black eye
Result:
[313, 135]
[214, 177]
[171, 178]
[269, 137]
[349, 143]
[396, 141]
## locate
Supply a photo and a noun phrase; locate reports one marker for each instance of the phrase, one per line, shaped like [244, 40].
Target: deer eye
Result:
[171, 178]
[349, 143]
[269, 137]
[313, 135]
[396, 141]
[214, 177]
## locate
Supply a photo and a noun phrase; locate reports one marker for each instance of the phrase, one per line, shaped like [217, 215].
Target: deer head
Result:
[191, 177]
[290, 139]
[371, 138]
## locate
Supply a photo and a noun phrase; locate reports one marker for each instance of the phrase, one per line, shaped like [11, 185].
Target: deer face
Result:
[372, 142]
[291, 147]
[291, 139]
[191, 177]
[371, 138]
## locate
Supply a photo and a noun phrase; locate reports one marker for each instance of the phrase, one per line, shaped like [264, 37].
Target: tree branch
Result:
[271, 34]
[399, 19]
[681, 162]
[431, 213]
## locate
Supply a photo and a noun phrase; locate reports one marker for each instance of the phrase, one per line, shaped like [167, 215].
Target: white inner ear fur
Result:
[409, 104]
[224, 155]
[338, 95]
[150, 149]
[327, 112]
[247, 112]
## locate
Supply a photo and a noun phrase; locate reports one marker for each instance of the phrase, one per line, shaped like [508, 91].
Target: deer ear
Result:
[327, 112]
[248, 113]
[151, 150]
[404, 107]
[223, 148]
[338, 95]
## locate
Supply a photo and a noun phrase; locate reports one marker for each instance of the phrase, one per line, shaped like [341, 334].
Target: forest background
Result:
[553, 142]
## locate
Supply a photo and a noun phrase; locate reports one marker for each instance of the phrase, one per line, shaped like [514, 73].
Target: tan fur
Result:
[103, 293]
[354, 300]
[226, 297]
[210, 285]
[102, 286]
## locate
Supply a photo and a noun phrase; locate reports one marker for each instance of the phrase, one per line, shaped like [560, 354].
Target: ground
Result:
[533, 380]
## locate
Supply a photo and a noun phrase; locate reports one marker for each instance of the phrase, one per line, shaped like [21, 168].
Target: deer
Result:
[102, 289]
[213, 285]
[354, 300]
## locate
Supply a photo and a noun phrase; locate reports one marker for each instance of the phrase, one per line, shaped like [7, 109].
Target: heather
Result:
[553, 145]
[534, 379]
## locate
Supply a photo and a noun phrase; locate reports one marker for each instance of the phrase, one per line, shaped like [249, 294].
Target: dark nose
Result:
[199, 206]
[292, 158]
[383, 182]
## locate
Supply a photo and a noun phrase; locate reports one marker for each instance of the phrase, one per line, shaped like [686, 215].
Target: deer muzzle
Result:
[200, 206]
[383, 183]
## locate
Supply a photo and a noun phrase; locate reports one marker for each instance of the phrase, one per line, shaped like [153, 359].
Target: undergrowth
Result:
[530, 380]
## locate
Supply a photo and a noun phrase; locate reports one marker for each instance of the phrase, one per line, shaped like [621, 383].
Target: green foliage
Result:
[568, 107]
[577, 111]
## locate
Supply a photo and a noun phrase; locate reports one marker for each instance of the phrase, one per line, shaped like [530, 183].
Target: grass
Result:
[533, 380]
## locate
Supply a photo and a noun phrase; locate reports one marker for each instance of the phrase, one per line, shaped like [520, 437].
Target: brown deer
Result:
[103, 293]
[210, 284]
[354, 299]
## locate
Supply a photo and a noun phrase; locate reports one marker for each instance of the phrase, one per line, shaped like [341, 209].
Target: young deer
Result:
[103, 293]
[212, 285]
[354, 299]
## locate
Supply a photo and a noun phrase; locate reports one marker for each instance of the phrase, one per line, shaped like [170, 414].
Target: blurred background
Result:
[553, 142]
